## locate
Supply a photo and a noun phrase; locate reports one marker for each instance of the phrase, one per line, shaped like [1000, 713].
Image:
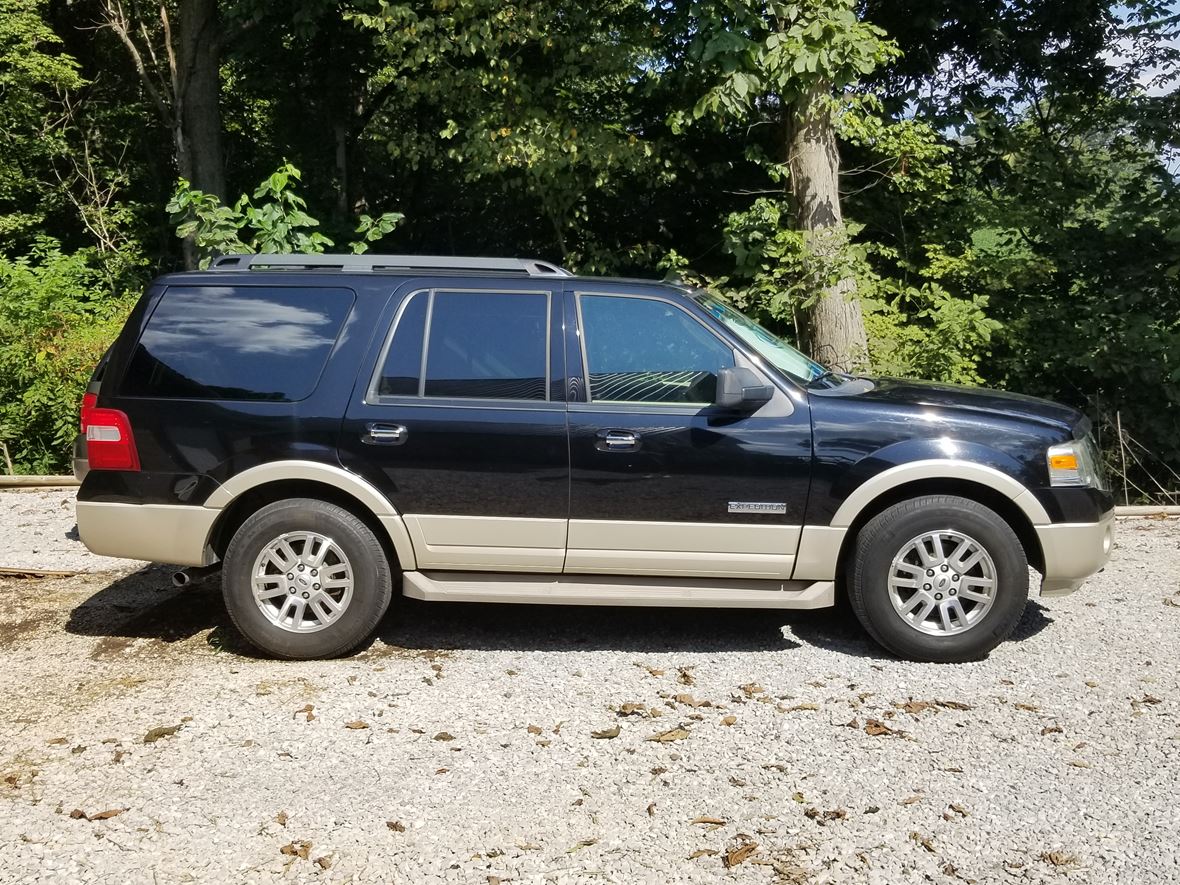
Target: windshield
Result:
[768, 346]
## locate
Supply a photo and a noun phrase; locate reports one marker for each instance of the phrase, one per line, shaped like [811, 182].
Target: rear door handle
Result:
[617, 441]
[378, 434]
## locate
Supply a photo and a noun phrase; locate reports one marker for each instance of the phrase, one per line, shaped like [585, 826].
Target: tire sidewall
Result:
[370, 571]
[886, 539]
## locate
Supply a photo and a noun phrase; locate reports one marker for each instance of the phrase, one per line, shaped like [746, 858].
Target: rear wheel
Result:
[306, 579]
[938, 578]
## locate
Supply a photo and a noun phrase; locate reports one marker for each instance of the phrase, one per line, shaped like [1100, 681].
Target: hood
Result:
[959, 399]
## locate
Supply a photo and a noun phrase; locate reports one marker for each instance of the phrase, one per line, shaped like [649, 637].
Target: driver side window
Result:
[642, 350]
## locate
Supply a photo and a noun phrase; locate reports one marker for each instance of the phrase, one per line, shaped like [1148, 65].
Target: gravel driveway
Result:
[139, 742]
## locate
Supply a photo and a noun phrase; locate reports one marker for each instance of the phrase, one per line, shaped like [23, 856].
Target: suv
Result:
[329, 428]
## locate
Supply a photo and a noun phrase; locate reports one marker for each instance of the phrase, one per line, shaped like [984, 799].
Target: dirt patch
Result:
[25, 629]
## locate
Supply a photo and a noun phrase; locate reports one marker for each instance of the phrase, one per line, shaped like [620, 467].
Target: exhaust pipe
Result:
[188, 576]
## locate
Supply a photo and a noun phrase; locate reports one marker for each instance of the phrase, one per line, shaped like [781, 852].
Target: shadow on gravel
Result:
[145, 605]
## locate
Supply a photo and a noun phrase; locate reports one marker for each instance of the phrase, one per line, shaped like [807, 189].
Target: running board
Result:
[608, 590]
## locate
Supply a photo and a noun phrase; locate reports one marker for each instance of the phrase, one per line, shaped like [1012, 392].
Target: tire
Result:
[300, 617]
[897, 549]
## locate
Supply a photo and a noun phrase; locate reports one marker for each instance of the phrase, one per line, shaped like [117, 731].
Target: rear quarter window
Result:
[237, 342]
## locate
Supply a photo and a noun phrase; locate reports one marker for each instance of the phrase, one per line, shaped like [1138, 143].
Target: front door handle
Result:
[378, 434]
[617, 441]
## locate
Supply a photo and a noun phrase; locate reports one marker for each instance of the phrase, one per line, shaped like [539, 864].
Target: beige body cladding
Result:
[643, 563]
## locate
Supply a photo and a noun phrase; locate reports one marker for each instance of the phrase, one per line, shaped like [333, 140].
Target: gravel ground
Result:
[460, 745]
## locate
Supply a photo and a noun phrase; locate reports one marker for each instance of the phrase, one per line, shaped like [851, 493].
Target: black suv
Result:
[330, 428]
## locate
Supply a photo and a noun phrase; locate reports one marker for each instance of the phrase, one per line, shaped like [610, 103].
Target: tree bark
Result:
[199, 96]
[836, 329]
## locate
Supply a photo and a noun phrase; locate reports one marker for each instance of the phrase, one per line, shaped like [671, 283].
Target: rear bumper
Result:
[1074, 552]
[153, 532]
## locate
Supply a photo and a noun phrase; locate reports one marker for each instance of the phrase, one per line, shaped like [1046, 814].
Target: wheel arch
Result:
[1007, 507]
[247, 492]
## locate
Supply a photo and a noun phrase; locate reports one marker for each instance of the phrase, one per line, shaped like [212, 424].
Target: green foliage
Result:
[58, 315]
[275, 220]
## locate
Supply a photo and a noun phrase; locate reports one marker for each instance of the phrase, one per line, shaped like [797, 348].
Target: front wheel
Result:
[938, 578]
[305, 579]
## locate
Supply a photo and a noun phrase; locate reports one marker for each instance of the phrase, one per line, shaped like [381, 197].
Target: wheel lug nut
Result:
[946, 568]
[292, 591]
[938, 596]
[930, 572]
[954, 576]
[953, 591]
[306, 595]
[925, 586]
[315, 586]
[301, 566]
[290, 576]
[314, 573]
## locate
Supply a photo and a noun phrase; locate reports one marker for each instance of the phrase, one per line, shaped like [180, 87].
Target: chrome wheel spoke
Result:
[306, 591]
[929, 585]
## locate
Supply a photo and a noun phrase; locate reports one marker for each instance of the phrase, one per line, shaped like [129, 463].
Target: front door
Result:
[663, 482]
[460, 420]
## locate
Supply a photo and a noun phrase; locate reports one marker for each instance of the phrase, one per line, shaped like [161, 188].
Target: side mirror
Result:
[739, 388]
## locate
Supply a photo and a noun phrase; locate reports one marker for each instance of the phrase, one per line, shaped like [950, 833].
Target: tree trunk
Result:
[836, 327]
[198, 105]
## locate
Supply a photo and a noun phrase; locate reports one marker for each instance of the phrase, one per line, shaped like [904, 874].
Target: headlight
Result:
[1076, 463]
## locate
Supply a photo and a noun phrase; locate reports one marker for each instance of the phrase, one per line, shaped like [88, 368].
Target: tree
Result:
[789, 65]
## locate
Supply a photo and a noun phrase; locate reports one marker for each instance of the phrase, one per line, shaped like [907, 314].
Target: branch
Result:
[116, 20]
[371, 106]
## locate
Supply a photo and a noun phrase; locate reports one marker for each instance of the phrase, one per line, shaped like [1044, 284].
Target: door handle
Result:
[617, 441]
[378, 434]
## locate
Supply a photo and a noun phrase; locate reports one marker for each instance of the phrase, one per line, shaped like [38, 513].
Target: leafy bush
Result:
[59, 314]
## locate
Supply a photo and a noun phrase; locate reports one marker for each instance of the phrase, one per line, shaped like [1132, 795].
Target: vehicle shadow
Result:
[145, 605]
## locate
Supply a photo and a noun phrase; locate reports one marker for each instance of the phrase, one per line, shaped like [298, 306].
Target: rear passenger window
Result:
[237, 342]
[479, 345]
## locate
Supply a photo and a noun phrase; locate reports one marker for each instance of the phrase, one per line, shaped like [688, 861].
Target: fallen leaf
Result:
[689, 701]
[672, 734]
[651, 810]
[1151, 699]
[441, 736]
[798, 797]
[606, 733]
[875, 727]
[736, 782]
[739, 854]
[632, 710]
[1091, 683]
[914, 707]
[728, 720]
[528, 846]
[684, 676]
[58, 741]
[534, 729]
[953, 705]
[544, 743]
[752, 688]
[281, 818]
[702, 852]
[1052, 729]
[959, 809]
[78, 814]
[1080, 763]
[658, 770]
[356, 724]
[1059, 858]
[1028, 708]
[926, 842]
[161, 731]
[396, 825]
[298, 848]
[852, 723]
[710, 821]
[306, 709]
[585, 843]
[1174, 603]
[324, 862]
[911, 800]
[798, 708]
[441, 770]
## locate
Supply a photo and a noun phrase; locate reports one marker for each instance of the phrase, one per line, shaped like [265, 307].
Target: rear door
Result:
[663, 482]
[459, 418]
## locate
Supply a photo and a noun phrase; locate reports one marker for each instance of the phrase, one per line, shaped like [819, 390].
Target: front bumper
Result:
[1074, 552]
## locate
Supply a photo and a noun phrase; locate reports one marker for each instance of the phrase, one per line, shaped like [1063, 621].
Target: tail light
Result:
[110, 445]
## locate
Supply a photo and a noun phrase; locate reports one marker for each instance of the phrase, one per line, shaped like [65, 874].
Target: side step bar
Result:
[608, 590]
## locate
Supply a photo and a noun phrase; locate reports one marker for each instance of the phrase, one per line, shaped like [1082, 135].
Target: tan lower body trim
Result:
[1073, 552]
[681, 548]
[607, 590]
[170, 533]
[819, 553]
[487, 543]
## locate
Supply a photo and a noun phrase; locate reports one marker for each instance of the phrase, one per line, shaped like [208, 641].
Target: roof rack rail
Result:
[389, 263]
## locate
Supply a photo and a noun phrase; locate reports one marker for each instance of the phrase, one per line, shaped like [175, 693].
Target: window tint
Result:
[487, 345]
[642, 350]
[242, 343]
[403, 362]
